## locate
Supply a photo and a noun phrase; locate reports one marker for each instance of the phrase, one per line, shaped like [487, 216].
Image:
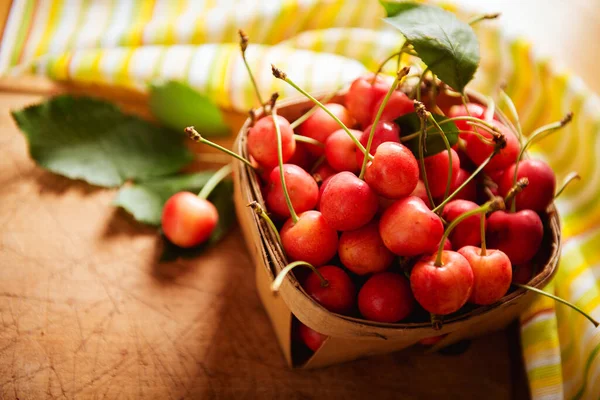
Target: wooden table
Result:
[86, 312]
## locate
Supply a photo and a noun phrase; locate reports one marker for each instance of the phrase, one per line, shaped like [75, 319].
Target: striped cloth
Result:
[322, 44]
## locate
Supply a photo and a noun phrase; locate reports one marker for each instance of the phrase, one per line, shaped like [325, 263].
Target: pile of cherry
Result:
[380, 232]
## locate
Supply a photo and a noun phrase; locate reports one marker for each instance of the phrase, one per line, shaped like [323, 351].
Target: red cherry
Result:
[447, 244]
[385, 131]
[340, 151]
[321, 190]
[408, 228]
[469, 192]
[262, 141]
[479, 151]
[492, 273]
[519, 235]
[323, 172]
[386, 297]
[320, 125]
[338, 296]
[522, 273]
[421, 192]
[393, 172]
[539, 194]
[302, 157]
[474, 110]
[445, 289]
[467, 232]
[398, 105]
[347, 203]
[362, 251]
[302, 188]
[188, 220]
[362, 96]
[310, 239]
[311, 338]
[436, 167]
[430, 341]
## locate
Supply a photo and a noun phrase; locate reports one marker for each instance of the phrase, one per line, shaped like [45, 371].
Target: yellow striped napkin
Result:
[321, 44]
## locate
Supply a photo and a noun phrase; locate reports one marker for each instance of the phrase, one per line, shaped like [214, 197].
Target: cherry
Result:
[519, 235]
[337, 293]
[408, 228]
[323, 172]
[437, 167]
[386, 297]
[469, 192]
[362, 251]
[302, 157]
[467, 232]
[522, 273]
[447, 244]
[442, 289]
[188, 220]
[262, 141]
[385, 131]
[363, 95]
[473, 110]
[479, 151]
[430, 341]
[492, 272]
[321, 190]
[393, 172]
[309, 239]
[302, 188]
[321, 125]
[539, 194]
[347, 203]
[398, 105]
[311, 338]
[340, 151]
[421, 192]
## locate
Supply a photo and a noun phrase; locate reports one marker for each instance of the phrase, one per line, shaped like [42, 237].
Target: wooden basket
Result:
[352, 338]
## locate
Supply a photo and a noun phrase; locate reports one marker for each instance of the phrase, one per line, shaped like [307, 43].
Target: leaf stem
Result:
[306, 139]
[257, 208]
[492, 205]
[214, 180]
[279, 74]
[310, 112]
[563, 301]
[573, 176]
[281, 170]
[196, 137]
[278, 281]
[243, 46]
[483, 17]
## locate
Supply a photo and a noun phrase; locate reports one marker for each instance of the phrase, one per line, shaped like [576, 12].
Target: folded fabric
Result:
[323, 44]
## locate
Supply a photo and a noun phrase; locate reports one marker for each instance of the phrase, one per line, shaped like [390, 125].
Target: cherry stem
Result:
[449, 150]
[466, 182]
[257, 208]
[492, 205]
[401, 74]
[514, 191]
[281, 171]
[196, 137]
[539, 134]
[279, 74]
[403, 50]
[479, 136]
[483, 17]
[514, 115]
[437, 321]
[310, 112]
[417, 93]
[563, 301]
[490, 110]
[278, 281]
[243, 46]
[483, 252]
[421, 112]
[214, 180]
[573, 176]
[306, 139]
[484, 124]
[318, 163]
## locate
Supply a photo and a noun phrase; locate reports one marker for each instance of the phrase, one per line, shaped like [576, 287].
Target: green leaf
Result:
[177, 106]
[145, 200]
[90, 139]
[447, 45]
[434, 144]
[222, 198]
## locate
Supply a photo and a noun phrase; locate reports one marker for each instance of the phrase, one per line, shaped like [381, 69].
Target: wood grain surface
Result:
[86, 312]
